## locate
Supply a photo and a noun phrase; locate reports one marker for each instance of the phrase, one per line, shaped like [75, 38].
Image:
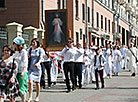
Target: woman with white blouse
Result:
[21, 57]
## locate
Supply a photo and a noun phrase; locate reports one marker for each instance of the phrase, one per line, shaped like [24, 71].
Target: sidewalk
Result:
[122, 88]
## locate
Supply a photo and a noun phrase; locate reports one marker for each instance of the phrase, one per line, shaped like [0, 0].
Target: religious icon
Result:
[57, 23]
[56, 27]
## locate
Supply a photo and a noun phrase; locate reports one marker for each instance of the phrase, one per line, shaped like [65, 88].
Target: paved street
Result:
[122, 88]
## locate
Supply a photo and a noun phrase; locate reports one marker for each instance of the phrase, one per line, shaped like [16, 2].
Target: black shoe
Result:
[80, 86]
[54, 83]
[102, 86]
[44, 87]
[93, 82]
[68, 91]
[76, 85]
[97, 88]
[74, 88]
[133, 74]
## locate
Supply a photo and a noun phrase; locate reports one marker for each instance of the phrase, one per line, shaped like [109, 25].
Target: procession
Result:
[78, 66]
[68, 50]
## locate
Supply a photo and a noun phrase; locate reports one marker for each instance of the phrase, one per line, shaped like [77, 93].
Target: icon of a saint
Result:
[57, 23]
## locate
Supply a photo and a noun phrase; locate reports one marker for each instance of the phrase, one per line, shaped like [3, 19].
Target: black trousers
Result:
[48, 70]
[42, 81]
[99, 73]
[78, 73]
[69, 67]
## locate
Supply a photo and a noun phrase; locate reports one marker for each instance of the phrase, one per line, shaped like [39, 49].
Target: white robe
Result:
[86, 71]
[108, 66]
[54, 71]
[124, 60]
[116, 56]
[132, 59]
[92, 71]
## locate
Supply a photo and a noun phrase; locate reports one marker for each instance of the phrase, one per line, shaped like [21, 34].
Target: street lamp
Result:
[87, 33]
[117, 4]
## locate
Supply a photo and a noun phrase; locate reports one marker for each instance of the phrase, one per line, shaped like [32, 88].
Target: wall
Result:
[25, 12]
[106, 13]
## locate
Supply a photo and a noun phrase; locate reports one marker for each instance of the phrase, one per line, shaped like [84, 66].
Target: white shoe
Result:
[110, 77]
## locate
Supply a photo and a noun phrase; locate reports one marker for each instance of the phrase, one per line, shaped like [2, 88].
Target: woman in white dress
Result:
[117, 60]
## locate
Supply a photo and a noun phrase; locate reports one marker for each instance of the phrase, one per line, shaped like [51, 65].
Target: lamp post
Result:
[116, 18]
[87, 33]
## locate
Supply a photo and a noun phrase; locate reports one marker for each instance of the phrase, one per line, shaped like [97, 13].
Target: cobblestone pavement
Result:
[122, 88]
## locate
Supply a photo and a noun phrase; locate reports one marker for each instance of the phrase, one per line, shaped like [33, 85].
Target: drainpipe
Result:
[92, 13]
[87, 33]
[118, 8]
[43, 11]
[114, 19]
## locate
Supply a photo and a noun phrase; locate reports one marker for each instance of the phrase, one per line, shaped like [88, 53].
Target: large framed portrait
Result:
[56, 28]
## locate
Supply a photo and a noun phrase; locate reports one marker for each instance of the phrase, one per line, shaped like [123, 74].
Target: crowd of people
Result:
[23, 67]
[97, 62]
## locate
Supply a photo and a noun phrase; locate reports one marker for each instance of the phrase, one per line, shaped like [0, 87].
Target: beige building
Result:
[108, 20]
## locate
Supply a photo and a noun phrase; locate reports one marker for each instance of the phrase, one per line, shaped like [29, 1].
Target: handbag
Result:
[4, 83]
[29, 59]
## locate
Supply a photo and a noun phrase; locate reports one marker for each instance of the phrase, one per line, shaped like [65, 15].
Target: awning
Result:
[96, 32]
[119, 37]
[106, 36]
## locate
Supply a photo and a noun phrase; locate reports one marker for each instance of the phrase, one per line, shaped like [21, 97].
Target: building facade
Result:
[103, 21]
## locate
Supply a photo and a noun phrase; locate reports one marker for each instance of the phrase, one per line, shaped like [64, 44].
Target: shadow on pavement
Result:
[136, 88]
[51, 91]
[122, 76]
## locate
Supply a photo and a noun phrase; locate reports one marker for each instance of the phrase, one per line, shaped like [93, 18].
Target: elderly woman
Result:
[7, 66]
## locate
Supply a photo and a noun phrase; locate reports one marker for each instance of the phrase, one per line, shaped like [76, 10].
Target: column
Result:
[14, 29]
[40, 35]
[31, 31]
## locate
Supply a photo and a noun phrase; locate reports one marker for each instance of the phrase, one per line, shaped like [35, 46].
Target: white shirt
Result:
[69, 54]
[86, 61]
[46, 58]
[43, 51]
[87, 51]
[103, 62]
[91, 56]
[108, 52]
[79, 55]
[132, 58]
[117, 53]
[21, 59]
[123, 51]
